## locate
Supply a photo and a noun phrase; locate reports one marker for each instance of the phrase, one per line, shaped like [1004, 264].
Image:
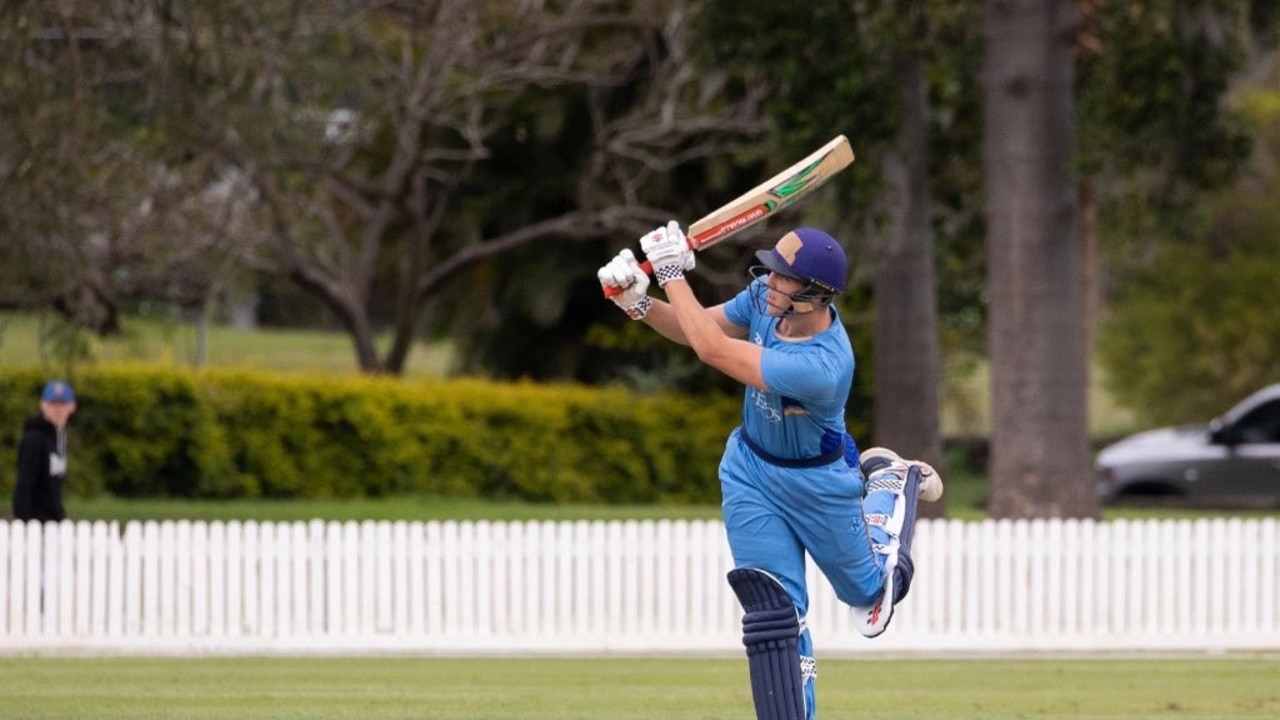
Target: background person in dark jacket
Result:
[42, 456]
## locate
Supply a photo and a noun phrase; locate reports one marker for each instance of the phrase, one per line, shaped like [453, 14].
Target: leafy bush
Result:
[1198, 330]
[146, 432]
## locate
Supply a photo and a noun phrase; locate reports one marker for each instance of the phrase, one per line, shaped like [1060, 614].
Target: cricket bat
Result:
[766, 199]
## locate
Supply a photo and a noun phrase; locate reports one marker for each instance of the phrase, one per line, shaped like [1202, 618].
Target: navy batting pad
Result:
[771, 634]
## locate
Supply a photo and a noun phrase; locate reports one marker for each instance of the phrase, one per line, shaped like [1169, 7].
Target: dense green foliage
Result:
[1192, 326]
[1198, 329]
[1151, 83]
[834, 69]
[142, 432]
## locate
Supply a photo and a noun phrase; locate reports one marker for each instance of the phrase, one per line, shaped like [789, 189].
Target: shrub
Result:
[144, 432]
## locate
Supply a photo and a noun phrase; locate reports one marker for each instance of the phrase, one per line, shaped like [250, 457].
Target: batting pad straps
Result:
[890, 512]
[771, 634]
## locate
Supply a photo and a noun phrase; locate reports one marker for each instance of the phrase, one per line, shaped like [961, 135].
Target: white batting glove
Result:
[623, 273]
[668, 252]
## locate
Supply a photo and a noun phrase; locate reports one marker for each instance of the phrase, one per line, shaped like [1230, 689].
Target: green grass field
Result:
[1187, 688]
[175, 344]
[966, 410]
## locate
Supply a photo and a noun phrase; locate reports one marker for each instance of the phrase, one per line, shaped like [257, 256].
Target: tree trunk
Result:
[906, 349]
[1039, 439]
[1091, 279]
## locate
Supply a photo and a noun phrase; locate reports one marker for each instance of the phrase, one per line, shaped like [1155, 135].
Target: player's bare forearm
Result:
[662, 318]
[736, 358]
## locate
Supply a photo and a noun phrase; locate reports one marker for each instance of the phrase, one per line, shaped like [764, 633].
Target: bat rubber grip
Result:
[611, 291]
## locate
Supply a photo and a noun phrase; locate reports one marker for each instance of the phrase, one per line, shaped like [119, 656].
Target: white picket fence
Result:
[615, 587]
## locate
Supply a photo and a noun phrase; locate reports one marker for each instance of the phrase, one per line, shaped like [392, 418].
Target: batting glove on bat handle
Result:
[668, 251]
[629, 285]
[611, 291]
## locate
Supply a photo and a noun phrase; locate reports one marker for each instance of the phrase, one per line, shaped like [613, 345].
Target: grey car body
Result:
[1231, 461]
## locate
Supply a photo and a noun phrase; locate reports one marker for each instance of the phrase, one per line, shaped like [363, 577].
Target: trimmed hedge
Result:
[147, 432]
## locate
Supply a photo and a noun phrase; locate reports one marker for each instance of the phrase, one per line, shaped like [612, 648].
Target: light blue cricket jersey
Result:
[802, 415]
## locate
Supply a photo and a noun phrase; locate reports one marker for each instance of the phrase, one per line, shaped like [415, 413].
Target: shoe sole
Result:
[931, 487]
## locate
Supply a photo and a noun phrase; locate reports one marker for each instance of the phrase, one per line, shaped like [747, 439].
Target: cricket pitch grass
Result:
[500, 688]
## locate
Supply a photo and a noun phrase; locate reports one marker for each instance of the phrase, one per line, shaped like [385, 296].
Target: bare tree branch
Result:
[335, 140]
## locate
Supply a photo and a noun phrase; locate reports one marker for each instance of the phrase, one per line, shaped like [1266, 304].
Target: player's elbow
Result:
[716, 354]
[707, 355]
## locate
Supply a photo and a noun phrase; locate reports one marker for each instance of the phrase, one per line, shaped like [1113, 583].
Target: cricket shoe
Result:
[873, 620]
[873, 459]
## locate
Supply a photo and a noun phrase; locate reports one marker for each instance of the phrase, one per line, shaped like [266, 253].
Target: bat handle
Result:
[611, 291]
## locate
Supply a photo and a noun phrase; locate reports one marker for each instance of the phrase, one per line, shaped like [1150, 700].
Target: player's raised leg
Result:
[893, 488]
[779, 649]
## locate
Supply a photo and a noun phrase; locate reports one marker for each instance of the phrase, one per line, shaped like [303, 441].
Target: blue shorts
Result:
[773, 515]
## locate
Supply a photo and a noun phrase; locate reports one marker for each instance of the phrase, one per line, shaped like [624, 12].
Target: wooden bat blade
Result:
[772, 195]
[765, 199]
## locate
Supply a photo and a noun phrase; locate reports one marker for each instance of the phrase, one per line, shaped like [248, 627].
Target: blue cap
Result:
[58, 391]
[811, 255]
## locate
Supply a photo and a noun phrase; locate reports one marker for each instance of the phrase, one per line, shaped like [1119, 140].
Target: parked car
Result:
[1231, 461]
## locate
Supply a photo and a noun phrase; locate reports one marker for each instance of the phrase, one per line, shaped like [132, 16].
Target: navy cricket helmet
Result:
[812, 256]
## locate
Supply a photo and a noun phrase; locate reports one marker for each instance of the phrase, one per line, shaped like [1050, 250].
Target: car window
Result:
[1261, 425]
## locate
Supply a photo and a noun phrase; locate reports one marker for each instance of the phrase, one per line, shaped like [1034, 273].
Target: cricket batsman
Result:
[791, 477]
